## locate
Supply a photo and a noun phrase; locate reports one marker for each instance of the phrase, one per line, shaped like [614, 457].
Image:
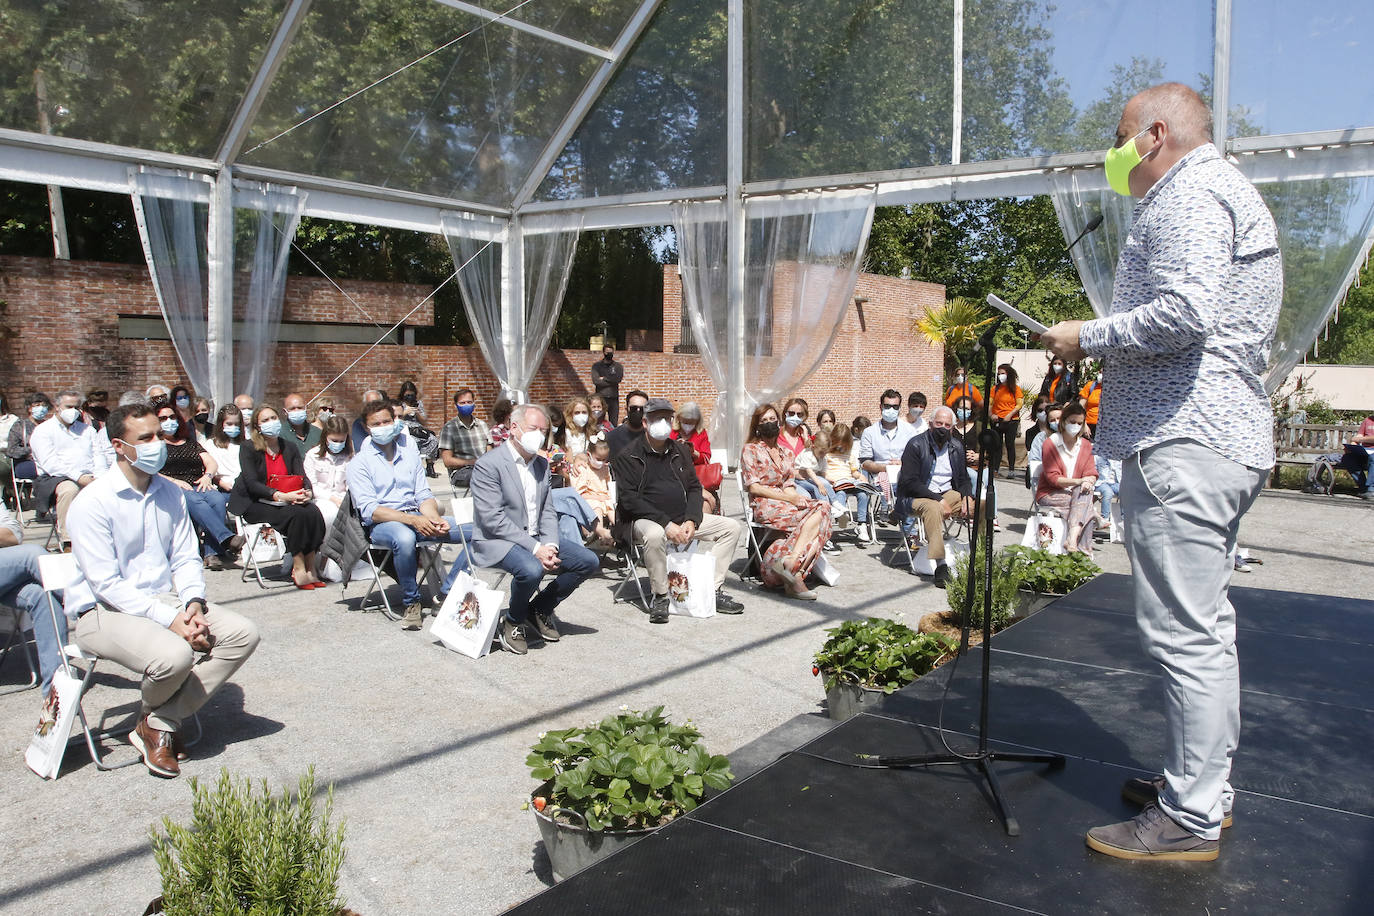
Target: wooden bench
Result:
[1301, 444]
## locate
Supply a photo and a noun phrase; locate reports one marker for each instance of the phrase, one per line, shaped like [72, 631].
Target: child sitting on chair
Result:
[842, 470]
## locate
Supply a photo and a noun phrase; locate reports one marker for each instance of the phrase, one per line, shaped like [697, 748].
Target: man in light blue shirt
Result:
[882, 445]
[388, 486]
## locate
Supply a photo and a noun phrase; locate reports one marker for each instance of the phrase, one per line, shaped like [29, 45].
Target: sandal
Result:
[787, 575]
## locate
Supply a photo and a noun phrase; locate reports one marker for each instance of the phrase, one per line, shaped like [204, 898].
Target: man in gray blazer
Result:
[516, 528]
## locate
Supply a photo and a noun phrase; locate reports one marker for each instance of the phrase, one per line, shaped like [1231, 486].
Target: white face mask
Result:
[1073, 429]
[660, 429]
[532, 440]
[1001, 378]
[916, 413]
[890, 414]
[596, 463]
[580, 419]
[297, 416]
[69, 415]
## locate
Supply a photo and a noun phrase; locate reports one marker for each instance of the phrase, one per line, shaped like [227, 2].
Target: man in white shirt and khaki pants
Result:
[142, 604]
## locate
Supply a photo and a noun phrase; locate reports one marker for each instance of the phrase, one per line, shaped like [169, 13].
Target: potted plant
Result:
[864, 660]
[250, 853]
[611, 783]
[1005, 582]
[1045, 576]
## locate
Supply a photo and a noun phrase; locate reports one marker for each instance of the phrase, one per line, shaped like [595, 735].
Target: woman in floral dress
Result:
[778, 504]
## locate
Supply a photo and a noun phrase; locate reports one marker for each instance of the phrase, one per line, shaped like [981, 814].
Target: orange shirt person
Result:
[1090, 396]
[962, 388]
[1006, 412]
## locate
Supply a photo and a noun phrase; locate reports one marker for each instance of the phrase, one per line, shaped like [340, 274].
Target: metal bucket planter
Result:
[848, 698]
[572, 847]
[1029, 602]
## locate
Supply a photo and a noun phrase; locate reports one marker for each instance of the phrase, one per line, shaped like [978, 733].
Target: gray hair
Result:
[69, 393]
[1180, 107]
[520, 411]
[689, 410]
[942, 409]
[132, 397]
[148, 392]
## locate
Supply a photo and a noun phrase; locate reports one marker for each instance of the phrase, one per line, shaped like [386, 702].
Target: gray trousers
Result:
[717, 532]
[1183, 504]
[176, 680]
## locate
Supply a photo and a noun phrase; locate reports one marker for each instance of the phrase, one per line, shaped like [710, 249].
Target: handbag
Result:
[691, 582]
[49, 741]
[467, 621]
[710, 476]
[285, 483]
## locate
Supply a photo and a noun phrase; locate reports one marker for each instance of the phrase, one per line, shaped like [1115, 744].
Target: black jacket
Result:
[1066, 391]
[918, 463]
[646, 488]
[252, 482]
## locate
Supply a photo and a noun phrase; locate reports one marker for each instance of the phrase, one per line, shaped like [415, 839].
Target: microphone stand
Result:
[985, 756]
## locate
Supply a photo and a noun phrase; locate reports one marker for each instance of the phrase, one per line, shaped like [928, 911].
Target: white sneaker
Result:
[863, 532]
[836, 510]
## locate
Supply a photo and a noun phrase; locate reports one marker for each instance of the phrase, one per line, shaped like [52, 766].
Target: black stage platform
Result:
[806, 836]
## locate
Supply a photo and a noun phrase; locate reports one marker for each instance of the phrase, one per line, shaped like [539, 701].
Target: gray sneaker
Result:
[1152, 835]
[512, 637]
[545, 626]
[414, 618]
[1144, 791]
[658, 609]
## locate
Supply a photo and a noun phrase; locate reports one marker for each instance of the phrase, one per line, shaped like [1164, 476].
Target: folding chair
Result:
[59, 572]
[757, 536]
[429, 564]
[26, 483]
[631, 557]
[875, 497]
[258, 534]
[19, 640]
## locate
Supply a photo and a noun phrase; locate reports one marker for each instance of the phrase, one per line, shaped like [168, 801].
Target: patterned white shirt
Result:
[1194, 309]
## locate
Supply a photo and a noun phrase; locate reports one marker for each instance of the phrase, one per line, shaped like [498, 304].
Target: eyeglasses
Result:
[329, 407]
[793, 413]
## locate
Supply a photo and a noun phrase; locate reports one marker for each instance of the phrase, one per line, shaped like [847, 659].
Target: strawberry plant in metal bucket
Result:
[1045, 576]
[612, 781]
[863, 660]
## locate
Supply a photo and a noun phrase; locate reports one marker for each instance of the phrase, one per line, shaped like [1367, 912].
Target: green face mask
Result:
[1120, 162]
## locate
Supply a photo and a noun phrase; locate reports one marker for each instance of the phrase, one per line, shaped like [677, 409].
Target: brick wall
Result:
[61, 330]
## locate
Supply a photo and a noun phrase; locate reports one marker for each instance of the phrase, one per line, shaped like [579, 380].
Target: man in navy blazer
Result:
[516, 528]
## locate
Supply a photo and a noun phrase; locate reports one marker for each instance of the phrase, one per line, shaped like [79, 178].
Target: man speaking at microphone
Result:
[1196, 301]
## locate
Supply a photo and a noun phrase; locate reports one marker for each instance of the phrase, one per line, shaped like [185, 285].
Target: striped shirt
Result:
[1194, 309]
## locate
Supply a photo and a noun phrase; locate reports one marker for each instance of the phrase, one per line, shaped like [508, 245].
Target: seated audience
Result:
[389, 490]
[95, 408]
[204, 418]
[224, 444]
[856, 429]
[841, 469]
[1068, 478]
[143, 603]
[180, 399]
[326, 467]
[916, 411]
[577, 417]
[64, 455]
[795, 436]
[191, 468]
[777, 503]
[412, 408]
[882, 444]
[1006, 413]
[21, 586]
[300, 432]
[7, 422]
[272, 490]
[244, 402]
[1108, 488]
[968, 429]
[659, 502]
[517, 530]
[462, 441]
[157, 390]
[825, 420]
[1034, 460]
[591, 478]
[1039, 415]
[1059, 385]
[358, 432]
[104, 451]
[934, 484]
[690, 431]
[633, 427]
[601, 418]
[1364, 438]
[963, 388]
[500, 420]
[324, 409]
[19, 446]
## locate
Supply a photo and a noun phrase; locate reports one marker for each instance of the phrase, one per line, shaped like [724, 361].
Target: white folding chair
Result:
[758, 536]
[429, 562]
[18, 639]
[259, 535]
[463, 512]
[21, 484]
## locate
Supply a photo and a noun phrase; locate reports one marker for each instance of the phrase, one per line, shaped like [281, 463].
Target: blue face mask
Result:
[1054, 426]
[383, 435]
[793, 421]
[183, 402]
[890, 414]
[231, 431]
[271, 429]
[151, 456]
[400, 426]
[170, 426]
[335, 447]
[38, 411]
[962, 413]
[465, 410]
[297, 416]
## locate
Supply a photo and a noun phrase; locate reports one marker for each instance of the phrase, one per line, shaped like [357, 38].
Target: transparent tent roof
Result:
[499, 105]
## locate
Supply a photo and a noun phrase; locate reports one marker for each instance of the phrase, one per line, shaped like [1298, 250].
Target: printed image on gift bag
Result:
[49, 741]
[468, 619]
[691, 582]
[267, 547]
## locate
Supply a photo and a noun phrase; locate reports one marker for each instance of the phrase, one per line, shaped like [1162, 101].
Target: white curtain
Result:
[802, 256]
[1324, 226]
[268, 216]
[513, 349]
[172, 211]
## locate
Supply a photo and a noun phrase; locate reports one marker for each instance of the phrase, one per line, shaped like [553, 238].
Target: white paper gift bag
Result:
[691, 582]
[826, 571]
[268, 546]
[49, 741]
[467, 621]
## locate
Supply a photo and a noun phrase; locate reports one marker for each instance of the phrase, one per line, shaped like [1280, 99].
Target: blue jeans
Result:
[574, 514]
[841, 499]
[19, 588]
[819, 488]
[402, 539]
[1108, 492]
[207, 510]
[577, 564]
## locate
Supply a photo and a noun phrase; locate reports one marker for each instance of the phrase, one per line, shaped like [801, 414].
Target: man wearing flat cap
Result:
[659, 503]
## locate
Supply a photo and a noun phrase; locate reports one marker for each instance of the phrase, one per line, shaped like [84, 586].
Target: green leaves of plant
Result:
[880, 653]
[1042, 571]
[628, 771]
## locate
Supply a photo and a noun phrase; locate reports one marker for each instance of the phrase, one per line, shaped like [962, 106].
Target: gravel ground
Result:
[426, 748]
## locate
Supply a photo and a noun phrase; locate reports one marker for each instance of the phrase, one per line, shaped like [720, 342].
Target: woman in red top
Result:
[1068, 478]
[272, 489]
[1006, 412]
[690, 430]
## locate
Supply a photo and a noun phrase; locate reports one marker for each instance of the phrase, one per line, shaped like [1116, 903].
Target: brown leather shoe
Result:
[157, 748]
[179, 746]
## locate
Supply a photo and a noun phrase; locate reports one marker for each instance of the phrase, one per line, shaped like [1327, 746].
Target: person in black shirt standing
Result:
[607, 375]
[659, 501]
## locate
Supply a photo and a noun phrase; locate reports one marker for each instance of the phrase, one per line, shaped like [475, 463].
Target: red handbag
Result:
[285, 483]
[710, 476]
